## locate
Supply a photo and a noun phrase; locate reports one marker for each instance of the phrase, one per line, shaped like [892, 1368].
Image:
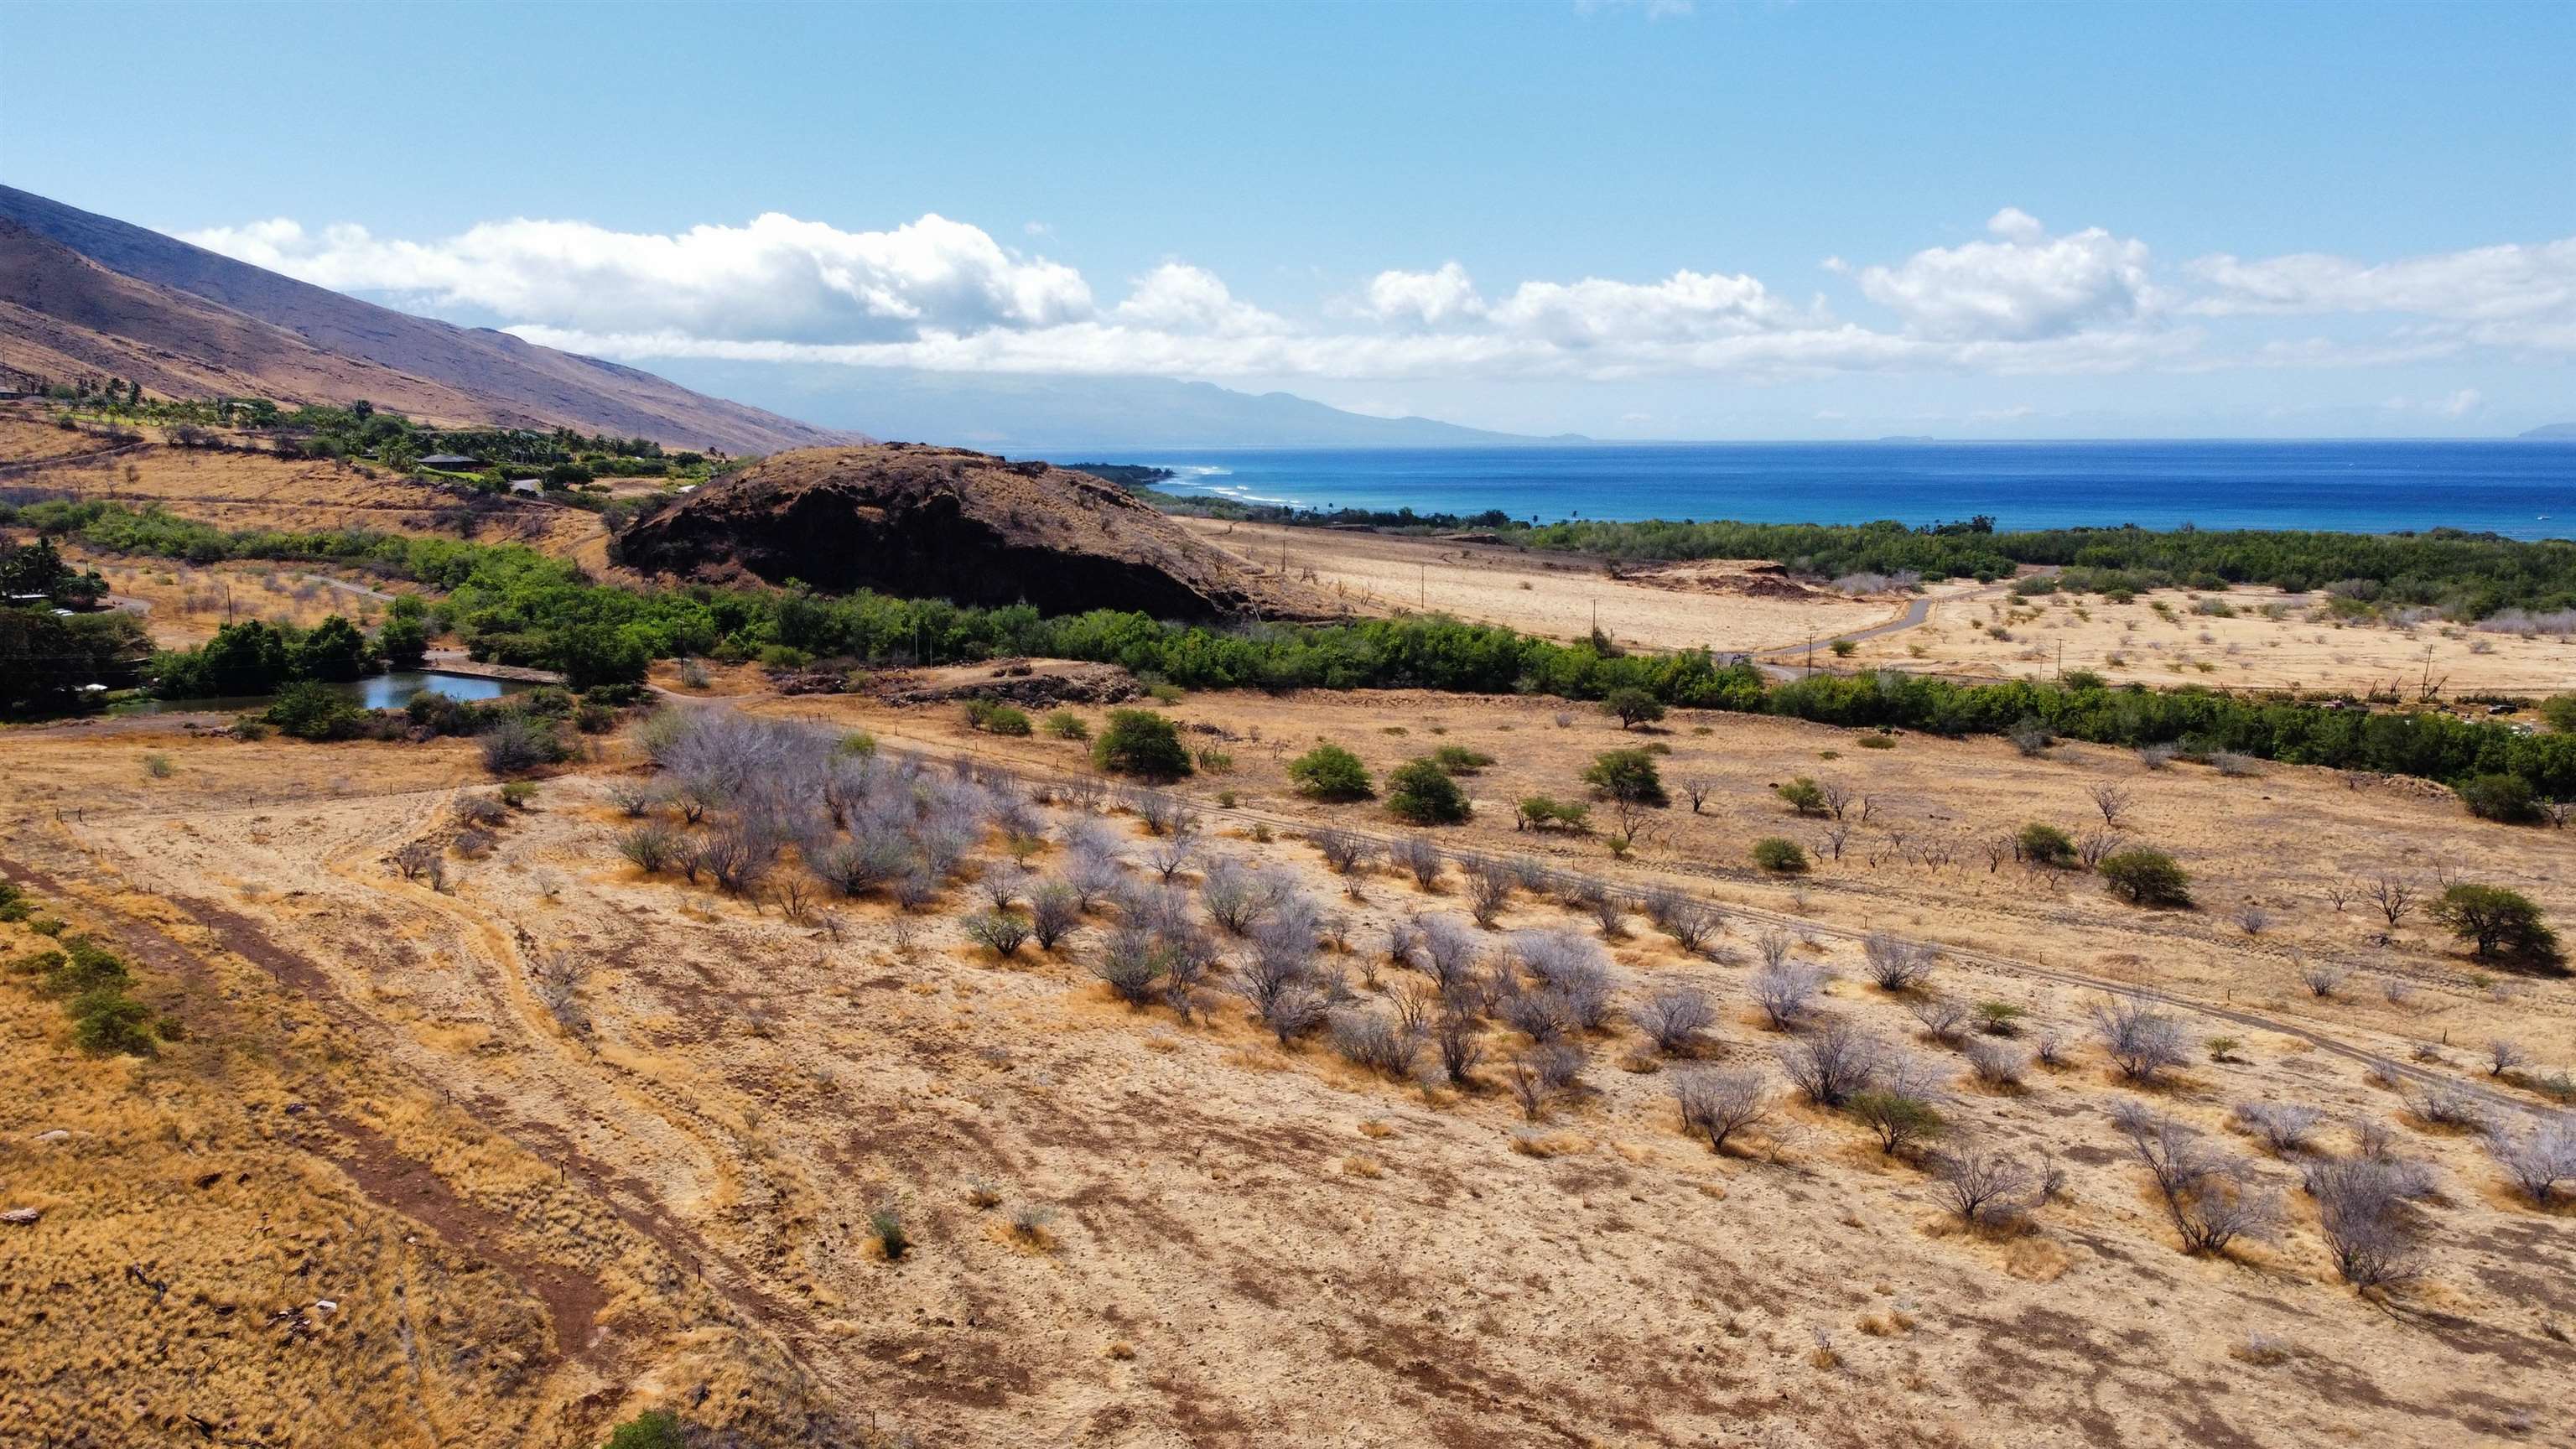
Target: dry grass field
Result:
[1722, 607]
[559, 1139]
[2265, 639]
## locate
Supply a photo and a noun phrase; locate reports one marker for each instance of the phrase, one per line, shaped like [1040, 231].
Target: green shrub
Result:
[1632, 707]
[856, 742]
[1419, 792]
[1842, 648]
[1140, 742]
[1803, 795]
[1539, 812]
[2559, 710]
[1780, 856]
[1876, 742]
[2497, 923]
[2499, 797]
[86, 966]
[1329, 772]
[652, 1429]
[107, 1020]
[1064, 724]
[996, 718]
[518, 794]
[1460, 760]
[2146, 878]
[1900, 1119]
[311, 711]
[2043, 844]
[1628, 775]
[1214, 761]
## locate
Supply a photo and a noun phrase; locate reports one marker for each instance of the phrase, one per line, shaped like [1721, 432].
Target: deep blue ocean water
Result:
[2366, 487]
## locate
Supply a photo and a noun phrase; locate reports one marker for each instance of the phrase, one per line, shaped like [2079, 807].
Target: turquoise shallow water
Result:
[2519, 489]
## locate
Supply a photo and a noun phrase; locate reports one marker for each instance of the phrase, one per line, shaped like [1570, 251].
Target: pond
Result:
[390, 690]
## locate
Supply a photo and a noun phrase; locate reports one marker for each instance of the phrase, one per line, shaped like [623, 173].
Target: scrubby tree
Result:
[1833, 1062]
[1627, 775]
[1786, 991]
[1419, 792]
[2497, 923]
[2211, 1201]
[1802, 795]
[1142, 743]
[1780, 856]
[2146, 878]
[1896, 964]
[2540, 1159]
[1674, 1017]
[1632, 707]
[2372, 1232]
[1330, 773]
[1980, 1184]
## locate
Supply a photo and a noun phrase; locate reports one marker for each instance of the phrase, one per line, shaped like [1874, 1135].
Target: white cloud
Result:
[1430, 298]
[2509, 283]
[776, 277]
[1176, 297]
[940, 294]
[2025, 285]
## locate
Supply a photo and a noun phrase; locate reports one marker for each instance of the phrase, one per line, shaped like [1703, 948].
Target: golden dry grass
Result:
[1256, 1246]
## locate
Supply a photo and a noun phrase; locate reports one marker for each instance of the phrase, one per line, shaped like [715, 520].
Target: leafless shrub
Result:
[1674, 1017]
[1833, 1062]
[2142, 1041]
[1055, 912]
[2396, 899]
[1164, 814]
[556, 982]
[1448, 951]
[417, 859]
[634, 801]
[1692, 925]
[2540, 1159]
[1979, 1184]
[1698, 788]
[2504, 1055]
[736, 856]
[1418, 857]
[1945, 1019]
[1543, 1073]
[1607, 912]
[2112, 801]
[1786, 992]
[1489, 889]
[1459, 1040]
[1236, 897]
[1543, 1015]
[1837, 797]
[915, 889]
[2093, 845]
[2370, 1228]
[1775, 945]
[1343, 850]
[1896, 964]
[1002, 886]
[1996, 1063]
[2284, 1127]
[1531, 874]
[2253, 920]
[2235, 765]
[2324, 978]
[2447, 1104]
[483, 811]
[1372, 1042]
[1133, 964]
[1659, 902]
[1093, 877]
[1170, 856]
[2211, 1201]
[1720, 1102]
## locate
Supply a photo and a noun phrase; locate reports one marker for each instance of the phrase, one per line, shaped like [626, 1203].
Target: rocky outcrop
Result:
[943, 522]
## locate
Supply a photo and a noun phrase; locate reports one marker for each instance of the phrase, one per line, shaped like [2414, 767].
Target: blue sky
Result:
[1771, 220]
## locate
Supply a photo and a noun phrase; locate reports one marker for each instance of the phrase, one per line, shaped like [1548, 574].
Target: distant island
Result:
[1125, 475]
[2553, 432]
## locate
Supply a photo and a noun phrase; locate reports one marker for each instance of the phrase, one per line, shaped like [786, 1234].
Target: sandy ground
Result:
[2267, 640]
[1559, 596]
[1218, 1241]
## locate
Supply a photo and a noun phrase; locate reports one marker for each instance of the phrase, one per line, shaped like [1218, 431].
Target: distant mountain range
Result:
[2563, 432]
[83, 294]
[1019, 413]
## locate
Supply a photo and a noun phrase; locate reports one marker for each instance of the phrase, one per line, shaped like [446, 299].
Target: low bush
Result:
[1780, 856]
[1330, 773]
[1419, 792]
[1142, 743]
[2146, 878]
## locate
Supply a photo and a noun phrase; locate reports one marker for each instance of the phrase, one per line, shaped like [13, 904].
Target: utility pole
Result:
[1811, 651]
[1422, 586]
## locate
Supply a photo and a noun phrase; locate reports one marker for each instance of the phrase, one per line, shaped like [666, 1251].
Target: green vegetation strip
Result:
[513, 605]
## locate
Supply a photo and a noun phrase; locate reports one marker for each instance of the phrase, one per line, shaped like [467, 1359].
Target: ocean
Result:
[2522, 490]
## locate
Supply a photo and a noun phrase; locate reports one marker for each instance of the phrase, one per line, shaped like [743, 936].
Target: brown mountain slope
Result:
[501, 378]
[906, 519]
[64, 315]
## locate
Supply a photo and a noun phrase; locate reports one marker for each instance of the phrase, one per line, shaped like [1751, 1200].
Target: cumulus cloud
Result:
[776, 277]
[2023, 285]
[940, 294]
[1429, 298]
